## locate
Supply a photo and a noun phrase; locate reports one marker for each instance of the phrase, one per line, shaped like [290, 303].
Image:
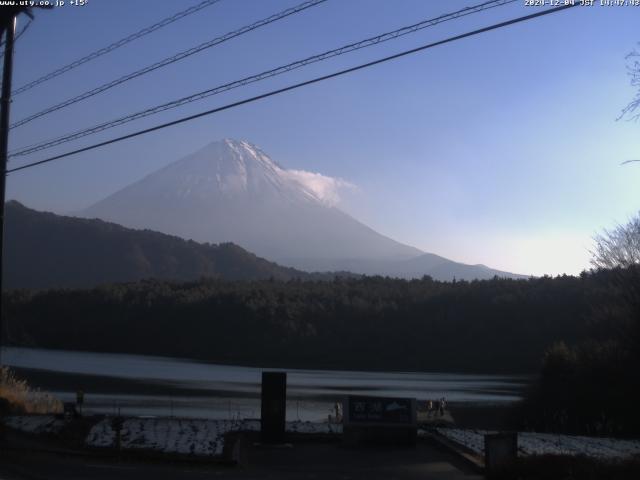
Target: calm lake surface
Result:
[204, 390]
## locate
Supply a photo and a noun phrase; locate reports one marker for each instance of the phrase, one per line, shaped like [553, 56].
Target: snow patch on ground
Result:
[36, 424]
[101, 434]
[312, 427]
[531, 443]
[185, 436]
[195, 437]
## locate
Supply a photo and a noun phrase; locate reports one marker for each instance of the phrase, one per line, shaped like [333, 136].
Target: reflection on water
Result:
[235, 390]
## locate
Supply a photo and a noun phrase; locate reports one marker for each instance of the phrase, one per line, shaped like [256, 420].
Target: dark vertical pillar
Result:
[274, 406]
[5, 102]
[500, 451]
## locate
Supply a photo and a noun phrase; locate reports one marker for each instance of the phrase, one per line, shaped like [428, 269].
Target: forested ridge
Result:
[44, 250]
[497, 325]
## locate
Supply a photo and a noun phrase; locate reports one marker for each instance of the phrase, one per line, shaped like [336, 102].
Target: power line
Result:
[261, 76]
[174, 58]
[298, 85]
[115, 45]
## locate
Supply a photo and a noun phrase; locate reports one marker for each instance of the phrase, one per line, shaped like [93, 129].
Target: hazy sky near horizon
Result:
[501, 149]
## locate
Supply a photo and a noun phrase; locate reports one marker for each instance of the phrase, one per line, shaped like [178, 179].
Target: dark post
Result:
[5, 103]
[274, 406]
[500, 451]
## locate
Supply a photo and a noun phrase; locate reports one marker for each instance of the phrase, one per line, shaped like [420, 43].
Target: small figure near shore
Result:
[429, 408]
[434, 412]
[337, 407]
[441, 406]
[435, 408]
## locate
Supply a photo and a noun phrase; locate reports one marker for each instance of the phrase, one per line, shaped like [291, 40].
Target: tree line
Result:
[498, 325]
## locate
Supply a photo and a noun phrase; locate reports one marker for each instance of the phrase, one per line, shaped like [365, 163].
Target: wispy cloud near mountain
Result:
[326, 189]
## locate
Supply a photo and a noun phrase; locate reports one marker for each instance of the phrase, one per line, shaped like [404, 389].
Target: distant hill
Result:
[44, 250]
[430, 264]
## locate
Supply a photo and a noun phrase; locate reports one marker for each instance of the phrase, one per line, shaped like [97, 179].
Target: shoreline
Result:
[301, 366]
[51, 380]
[489, 414]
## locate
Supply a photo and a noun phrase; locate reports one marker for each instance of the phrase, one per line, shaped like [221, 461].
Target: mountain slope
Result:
[441, 268]
[231, 191]
[435, 266]
[44, 250]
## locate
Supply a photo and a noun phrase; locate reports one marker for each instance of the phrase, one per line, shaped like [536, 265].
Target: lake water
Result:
[196, 389]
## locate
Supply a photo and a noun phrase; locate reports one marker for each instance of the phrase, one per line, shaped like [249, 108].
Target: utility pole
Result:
[8, 19]
[9, 27]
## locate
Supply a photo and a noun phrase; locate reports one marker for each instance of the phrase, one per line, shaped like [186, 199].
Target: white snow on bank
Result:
[36, 424]
[471, 439]
[531, 443]
[313, 427]
[101, 435]
[185, 436]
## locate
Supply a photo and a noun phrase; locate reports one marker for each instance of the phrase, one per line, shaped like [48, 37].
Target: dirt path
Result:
[309, 460]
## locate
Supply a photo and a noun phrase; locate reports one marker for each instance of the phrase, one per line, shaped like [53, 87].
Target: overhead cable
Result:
[113, 46]
[296, 86]
[260, 76]
[169, 60]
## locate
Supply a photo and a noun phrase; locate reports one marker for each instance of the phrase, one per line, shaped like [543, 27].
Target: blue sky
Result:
[500, 149]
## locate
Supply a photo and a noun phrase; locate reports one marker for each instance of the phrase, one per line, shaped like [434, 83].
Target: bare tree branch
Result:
[619, 247]
[632, 110]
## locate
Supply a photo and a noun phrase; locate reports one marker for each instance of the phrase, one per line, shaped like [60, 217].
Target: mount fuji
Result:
[231, 191]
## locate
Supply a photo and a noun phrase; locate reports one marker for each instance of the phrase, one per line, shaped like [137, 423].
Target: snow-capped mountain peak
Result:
[232, 191]
[236, 168]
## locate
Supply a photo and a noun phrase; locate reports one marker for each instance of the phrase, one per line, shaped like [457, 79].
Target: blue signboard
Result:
[380, 411]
